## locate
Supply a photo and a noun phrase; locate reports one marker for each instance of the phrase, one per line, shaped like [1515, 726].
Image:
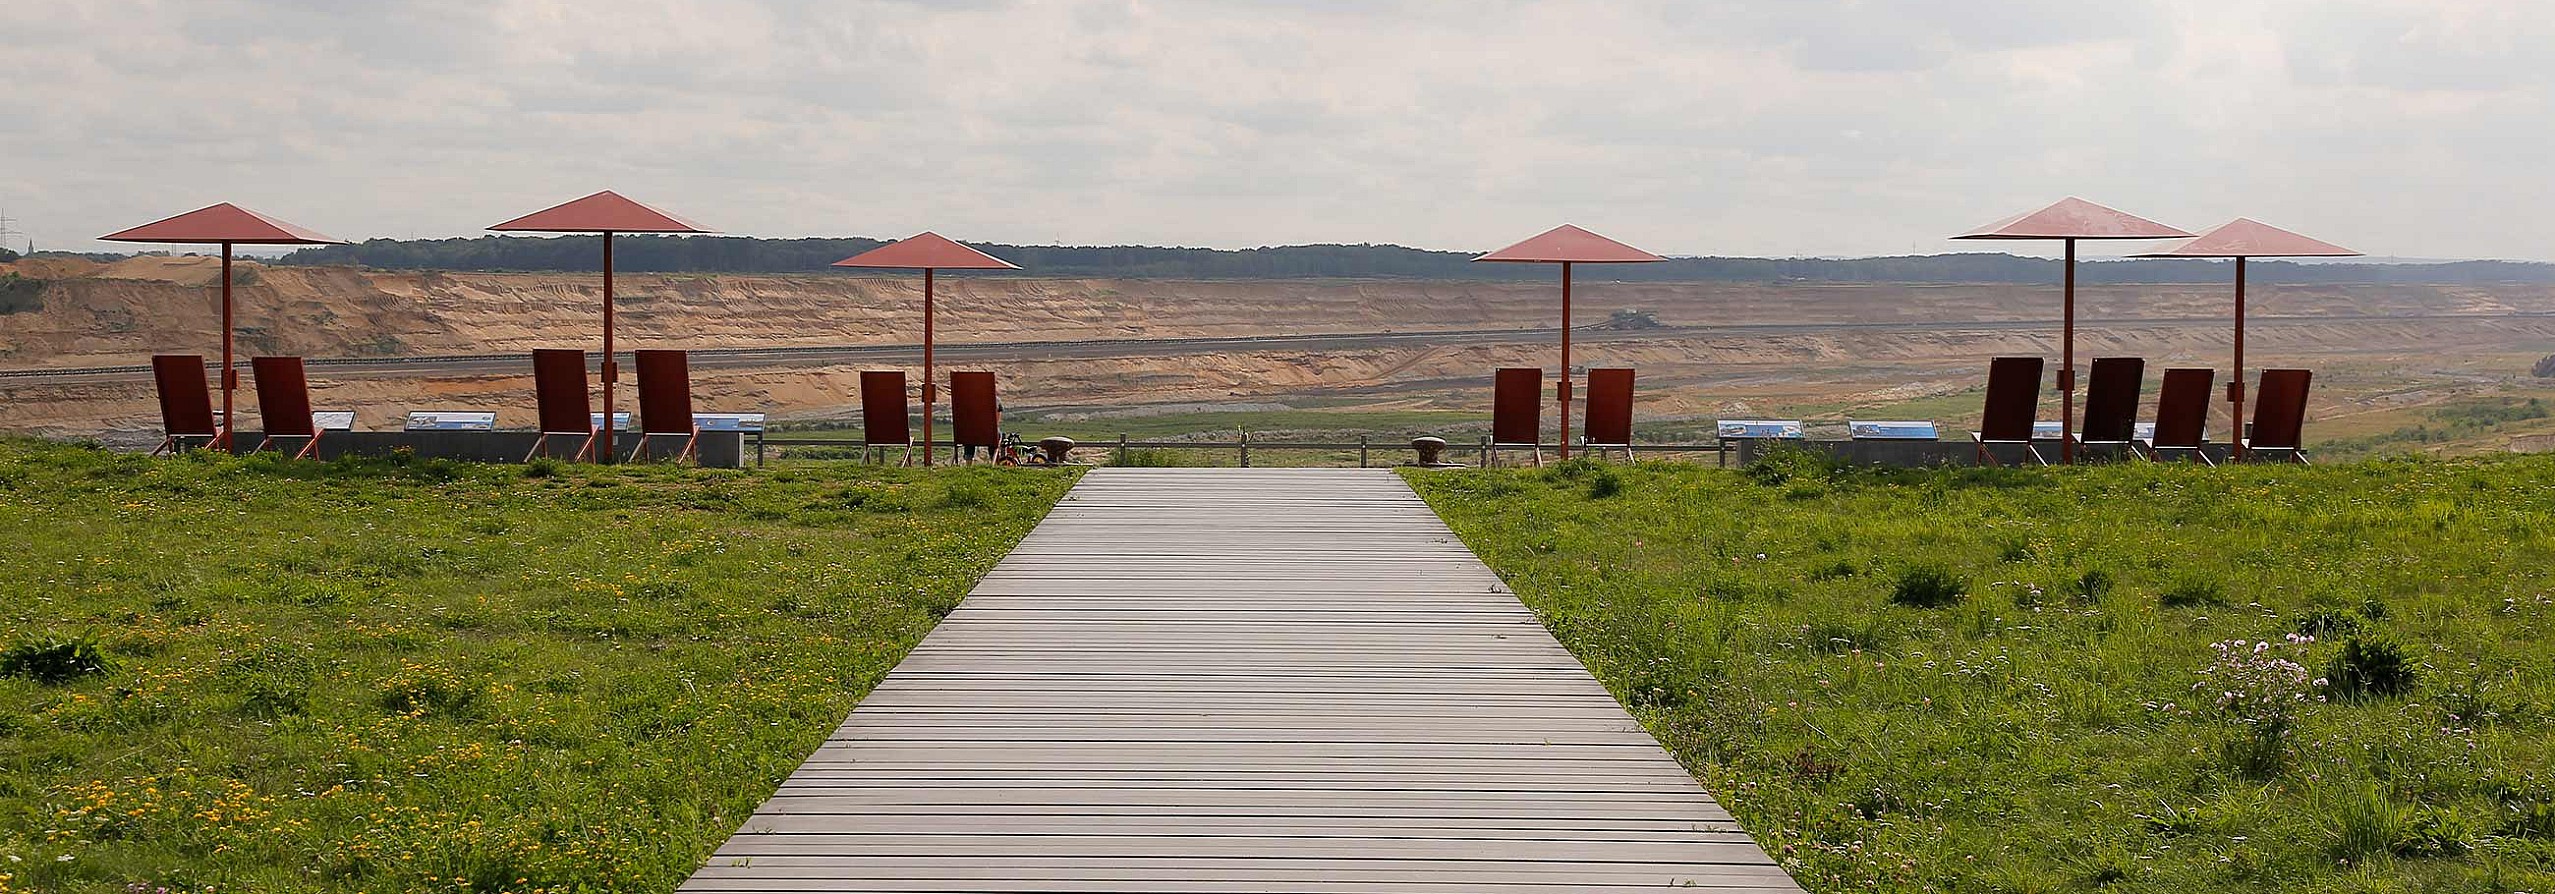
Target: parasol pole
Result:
[927, 367]
[611, 370]
[1565, 360]
[2067, 368]
[230, 378]
[2235, 387]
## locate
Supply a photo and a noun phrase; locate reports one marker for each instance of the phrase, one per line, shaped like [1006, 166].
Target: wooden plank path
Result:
[1201, 680]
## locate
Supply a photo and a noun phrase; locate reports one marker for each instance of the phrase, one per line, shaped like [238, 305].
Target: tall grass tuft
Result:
[2369, 668]
[1928, 586]
[54, 660]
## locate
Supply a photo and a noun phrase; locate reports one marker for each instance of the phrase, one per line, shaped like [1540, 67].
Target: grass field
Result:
[263, 676]
[2011, 680]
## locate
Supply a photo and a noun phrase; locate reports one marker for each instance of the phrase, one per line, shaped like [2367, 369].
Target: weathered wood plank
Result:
[1239, 680]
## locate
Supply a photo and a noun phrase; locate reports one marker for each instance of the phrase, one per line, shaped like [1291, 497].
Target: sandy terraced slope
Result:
[1927, 339]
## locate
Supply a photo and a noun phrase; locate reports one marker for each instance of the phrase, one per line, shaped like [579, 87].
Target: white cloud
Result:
[1796, 127]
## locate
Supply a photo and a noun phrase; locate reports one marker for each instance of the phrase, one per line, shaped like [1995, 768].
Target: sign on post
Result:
[744, 422]
[1909, 430]
[451, 420]
[1761, 429]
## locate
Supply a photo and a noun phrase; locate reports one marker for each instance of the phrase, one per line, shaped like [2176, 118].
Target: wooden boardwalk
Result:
[1240, 680]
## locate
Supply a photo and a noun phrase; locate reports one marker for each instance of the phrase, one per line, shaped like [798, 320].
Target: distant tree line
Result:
[737, 254]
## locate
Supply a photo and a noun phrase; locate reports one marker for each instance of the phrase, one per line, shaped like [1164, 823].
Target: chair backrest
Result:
[559, 387]
[283, 397]
[1609, 406]
[1516, 405]
[2182, 408]
[665, 392]
[886, 417]
[2280, 412]
[2013, 398]
[186, 403]
[2111, 399]
[975, 419]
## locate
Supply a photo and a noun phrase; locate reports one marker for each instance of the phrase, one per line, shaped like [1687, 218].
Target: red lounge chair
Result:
[2111, 404]
[559, 386]
[665, 401]
[2280, 414]
[2013, 399]
[1516, 412]
[975, 415]
[284, 402]
[186, 403]
[1609, 412]
[2182, 414]
[886, 416]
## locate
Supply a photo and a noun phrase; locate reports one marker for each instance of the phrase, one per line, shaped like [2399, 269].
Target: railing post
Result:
[1361, 451]
[1246, 448]
[1482, 459]
[1122, 448]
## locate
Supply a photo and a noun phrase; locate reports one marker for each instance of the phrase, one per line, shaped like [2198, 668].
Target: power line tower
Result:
[9, 232]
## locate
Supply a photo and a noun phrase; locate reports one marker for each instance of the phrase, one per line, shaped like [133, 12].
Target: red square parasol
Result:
[604, 213]
[926, 251]
[2071, 219]
[225, 225]
[1567, 245]
[2240, 239]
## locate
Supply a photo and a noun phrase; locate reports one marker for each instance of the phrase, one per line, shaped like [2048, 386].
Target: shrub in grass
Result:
[54, 660]
[1605, 483]
[1573, 469]
[2251, 685]
[2522, 818]
[2365, 824]
[2432, 833]
[2093, 585]
[2367, 668]
[543, 467]
[1830, 636]
[273, 681]
[1839, 569]
[2369, 823]
[2192, 589]
[1928, 586]
[2325, 623]
[1786, 464]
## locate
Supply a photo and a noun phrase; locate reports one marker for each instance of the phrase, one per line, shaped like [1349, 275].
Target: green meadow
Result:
[264, 676]
[2129, 677]
[225, 674]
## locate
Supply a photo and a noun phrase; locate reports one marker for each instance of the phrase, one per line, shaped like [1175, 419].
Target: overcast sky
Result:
[1781, 127]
